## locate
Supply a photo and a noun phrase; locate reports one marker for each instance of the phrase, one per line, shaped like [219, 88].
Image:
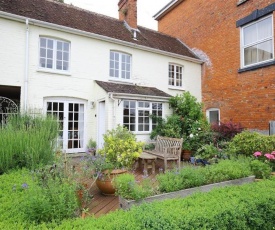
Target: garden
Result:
[40, 189]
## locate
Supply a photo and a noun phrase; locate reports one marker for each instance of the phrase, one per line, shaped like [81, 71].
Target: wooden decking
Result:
[102, 204]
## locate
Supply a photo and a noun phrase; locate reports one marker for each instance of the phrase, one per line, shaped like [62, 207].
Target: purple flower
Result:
[25, 186]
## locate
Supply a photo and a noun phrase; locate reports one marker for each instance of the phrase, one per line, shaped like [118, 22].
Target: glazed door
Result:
[71, 118]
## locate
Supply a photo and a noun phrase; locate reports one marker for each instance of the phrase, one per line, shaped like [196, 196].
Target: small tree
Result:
[187, 121]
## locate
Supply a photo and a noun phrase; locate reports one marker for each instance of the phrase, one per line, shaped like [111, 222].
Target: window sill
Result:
[254, 67]
[54, 72]
[176, 88]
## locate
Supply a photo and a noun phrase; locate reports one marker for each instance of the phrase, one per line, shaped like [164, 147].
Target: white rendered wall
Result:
[89, 62]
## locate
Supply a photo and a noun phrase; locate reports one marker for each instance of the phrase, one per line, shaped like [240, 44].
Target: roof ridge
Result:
[82, 9]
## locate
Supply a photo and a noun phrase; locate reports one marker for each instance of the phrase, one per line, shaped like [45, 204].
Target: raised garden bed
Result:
[126, 204]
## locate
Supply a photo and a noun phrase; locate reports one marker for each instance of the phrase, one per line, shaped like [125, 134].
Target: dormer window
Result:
[120, 65]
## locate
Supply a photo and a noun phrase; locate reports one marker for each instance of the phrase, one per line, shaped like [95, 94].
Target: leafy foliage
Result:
[189, 177]
[36, 197]
[260, 169]
[120, 147]
[246, 143]
[226, 131]
[27, 141]
[127, 187]
[249, 206]
[187, 121]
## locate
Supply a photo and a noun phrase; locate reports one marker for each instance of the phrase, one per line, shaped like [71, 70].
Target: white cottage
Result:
[91, 71]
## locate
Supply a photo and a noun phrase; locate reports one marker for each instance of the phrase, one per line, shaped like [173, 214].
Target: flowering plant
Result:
[268, 158]
[120, 147]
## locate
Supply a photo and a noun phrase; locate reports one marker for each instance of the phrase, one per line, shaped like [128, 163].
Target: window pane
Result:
[42, 42]
[59, 55]
[250, 34]
[66, 46]
[49, 63]
[42, 52]
[50, 43]
[59, 65]
[65, 65]
[250, 55]
[49, 54]
[42, 62]
[112, 55]
[59, 45]
[265, 28]
[265, 51]
[66, 56]
[214, 116]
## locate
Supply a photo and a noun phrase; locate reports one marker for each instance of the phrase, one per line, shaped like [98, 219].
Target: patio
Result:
[102, 204]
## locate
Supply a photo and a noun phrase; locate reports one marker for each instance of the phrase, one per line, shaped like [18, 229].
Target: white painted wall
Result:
[89, 62]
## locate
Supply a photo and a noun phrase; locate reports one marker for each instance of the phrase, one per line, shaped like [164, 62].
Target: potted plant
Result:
[118, 154]
[91, 147]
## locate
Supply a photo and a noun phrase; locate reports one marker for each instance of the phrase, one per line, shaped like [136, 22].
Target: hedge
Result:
[250, 206]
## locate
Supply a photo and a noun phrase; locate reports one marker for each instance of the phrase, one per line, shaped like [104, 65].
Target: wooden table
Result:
[148, 161]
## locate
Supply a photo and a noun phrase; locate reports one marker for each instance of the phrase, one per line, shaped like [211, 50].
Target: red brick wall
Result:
[128, 12]
[210, 27]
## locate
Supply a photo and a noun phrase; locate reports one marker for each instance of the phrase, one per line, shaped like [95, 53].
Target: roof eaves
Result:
[190, 49]
[167, 8]
[96, 36]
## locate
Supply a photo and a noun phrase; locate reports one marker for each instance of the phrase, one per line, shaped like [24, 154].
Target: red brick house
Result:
[236, 40]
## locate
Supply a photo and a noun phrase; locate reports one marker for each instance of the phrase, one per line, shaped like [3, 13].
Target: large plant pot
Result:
[185, 155]
[105, 184]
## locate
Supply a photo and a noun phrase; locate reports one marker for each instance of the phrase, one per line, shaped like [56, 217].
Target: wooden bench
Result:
[167, 149]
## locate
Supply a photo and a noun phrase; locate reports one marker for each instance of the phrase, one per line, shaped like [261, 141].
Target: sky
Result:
[146, 9]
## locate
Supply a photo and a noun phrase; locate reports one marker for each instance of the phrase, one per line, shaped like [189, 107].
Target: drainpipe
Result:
[26, 67]
[114, 109]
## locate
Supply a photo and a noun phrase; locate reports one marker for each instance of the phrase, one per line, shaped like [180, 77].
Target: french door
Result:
[71, 118]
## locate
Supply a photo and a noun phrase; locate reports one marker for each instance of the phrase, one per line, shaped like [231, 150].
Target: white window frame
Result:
[256, 43]
[137, 109]
[175, 75]
[211, 110]
[120, 68]
[54, 58]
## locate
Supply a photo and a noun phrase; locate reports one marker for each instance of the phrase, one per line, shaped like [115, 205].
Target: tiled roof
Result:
[77, 18]
[131, 89]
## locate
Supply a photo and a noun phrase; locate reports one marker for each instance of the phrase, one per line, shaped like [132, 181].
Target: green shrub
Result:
[36, 197]
[120, 147]
[260, 169]
[175, 180]
[27, 141]
[189, 177]
[249, 206]
[127, 187]
[246, 143]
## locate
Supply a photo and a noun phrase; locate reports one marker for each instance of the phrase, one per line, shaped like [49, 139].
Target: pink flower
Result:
[273, 153]
[269, 156]
[257, 154]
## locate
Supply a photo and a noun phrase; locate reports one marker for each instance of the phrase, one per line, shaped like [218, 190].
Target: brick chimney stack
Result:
[128, 11]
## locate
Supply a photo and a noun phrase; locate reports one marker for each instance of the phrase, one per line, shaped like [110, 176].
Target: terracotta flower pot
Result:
[186, 154]
[105, 184]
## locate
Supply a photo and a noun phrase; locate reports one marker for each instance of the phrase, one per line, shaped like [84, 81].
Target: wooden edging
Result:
[126, 204]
